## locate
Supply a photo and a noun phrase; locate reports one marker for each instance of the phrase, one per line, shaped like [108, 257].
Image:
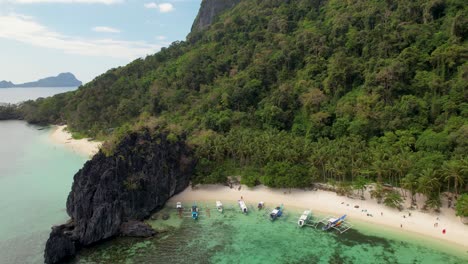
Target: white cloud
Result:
[151, 5]
[105, 29]
[161, 37]
[106, 2]
[163, 8]
[25, 29]
[166, 7]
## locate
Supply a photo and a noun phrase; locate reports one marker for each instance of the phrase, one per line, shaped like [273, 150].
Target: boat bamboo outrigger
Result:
[277, 212]
[243, 206]
[304, 218]
[194, 211]
[336, 223]
[219, 206]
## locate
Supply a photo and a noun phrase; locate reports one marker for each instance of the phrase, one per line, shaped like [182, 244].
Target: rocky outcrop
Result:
[110, 192]
[209, 10]
[60, 245]
[136, 229]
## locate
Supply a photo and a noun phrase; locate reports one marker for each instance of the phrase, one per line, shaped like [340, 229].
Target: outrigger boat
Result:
[194, 211]
[277, 212]
[261, 205]
[242, 206]
[333, 222]
[304, 219]
[219, 206]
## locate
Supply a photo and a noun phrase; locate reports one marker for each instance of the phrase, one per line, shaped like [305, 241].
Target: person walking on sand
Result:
[401, 225]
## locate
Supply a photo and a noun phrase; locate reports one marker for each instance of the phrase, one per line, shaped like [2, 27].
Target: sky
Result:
[41, 38]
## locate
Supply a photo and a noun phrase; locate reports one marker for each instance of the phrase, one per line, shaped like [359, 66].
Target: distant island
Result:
[66, 79]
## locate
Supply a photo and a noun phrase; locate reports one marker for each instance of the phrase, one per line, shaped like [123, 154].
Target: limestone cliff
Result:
[110, 192]
[209, 10]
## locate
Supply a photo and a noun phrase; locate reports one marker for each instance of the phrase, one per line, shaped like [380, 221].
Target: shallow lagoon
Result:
[232, 237]
[35, 179]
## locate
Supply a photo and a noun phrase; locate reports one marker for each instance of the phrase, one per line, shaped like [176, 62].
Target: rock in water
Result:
[144, 171]
[60, 245]
[136, 229]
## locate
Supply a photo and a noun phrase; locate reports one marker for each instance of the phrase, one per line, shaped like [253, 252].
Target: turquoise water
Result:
[35, 179]
[236, 238]
[16, 95]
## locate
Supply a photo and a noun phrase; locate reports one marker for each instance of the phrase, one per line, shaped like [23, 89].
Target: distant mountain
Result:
[62, 80]
[5, 84]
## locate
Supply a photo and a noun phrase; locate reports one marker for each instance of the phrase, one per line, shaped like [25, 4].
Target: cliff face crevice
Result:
[110, 192]
[209, 10]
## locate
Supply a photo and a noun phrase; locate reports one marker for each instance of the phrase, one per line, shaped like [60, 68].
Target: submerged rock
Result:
[136, 229]
[145, 170]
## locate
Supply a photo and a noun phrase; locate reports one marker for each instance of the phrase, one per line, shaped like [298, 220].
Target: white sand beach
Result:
[83, 146]
[325, 202]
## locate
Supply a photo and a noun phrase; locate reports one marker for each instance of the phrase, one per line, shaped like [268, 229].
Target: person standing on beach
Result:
[401, 225]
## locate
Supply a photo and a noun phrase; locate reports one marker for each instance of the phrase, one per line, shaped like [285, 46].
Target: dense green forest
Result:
[287, 93]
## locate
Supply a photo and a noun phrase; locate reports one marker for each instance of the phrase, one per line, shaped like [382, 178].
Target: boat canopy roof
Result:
[332, 220]
[275, 211]
[218, 203]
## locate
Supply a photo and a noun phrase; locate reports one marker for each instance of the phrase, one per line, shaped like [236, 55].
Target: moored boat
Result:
[260, 205]
[243, 206]
[334, 222]
[219, 206]
[277, 212]
[194, 211]
[304, 218]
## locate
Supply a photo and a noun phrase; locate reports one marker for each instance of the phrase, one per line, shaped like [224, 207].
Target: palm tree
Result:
[434, 202]
[393, 199]
[428, 183]
[455, 170]
[410, 183]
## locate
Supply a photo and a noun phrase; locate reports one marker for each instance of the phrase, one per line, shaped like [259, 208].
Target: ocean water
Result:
[35, 179]
[16, 95]
[232, 237]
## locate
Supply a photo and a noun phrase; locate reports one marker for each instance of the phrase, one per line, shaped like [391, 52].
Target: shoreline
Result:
[322, 202]
[59, 135]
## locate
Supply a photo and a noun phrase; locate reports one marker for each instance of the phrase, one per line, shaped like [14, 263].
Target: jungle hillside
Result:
[289, 93]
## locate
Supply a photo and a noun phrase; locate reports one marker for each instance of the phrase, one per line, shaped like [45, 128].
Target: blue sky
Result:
[40, 38]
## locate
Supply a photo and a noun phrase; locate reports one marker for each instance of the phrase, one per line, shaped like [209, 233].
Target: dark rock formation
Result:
[209, 10]
[145, 170]
[60, 245]
[136, 229]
